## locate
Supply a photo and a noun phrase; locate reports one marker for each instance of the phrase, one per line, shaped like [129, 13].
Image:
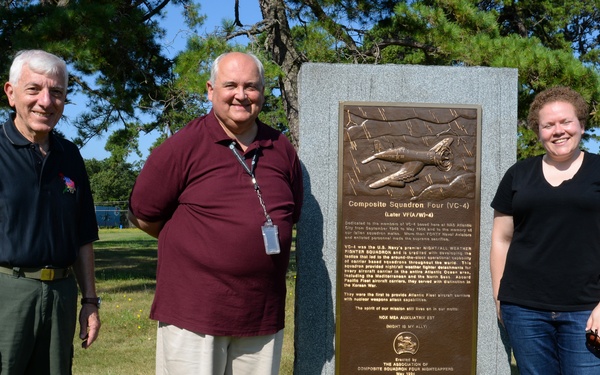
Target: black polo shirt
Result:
[46, 206]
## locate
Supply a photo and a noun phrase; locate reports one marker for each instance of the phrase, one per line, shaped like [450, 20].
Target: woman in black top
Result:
[545, 255]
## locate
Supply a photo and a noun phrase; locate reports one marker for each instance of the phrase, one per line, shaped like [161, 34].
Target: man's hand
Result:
[89, 322]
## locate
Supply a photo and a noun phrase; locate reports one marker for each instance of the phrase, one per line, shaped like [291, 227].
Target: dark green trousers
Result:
[37, 325]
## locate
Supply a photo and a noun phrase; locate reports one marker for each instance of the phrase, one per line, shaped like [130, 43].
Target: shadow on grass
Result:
[131, 265]
[127, 244]
[130, 269]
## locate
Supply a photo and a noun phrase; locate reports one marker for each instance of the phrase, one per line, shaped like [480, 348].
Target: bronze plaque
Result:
[408, 246]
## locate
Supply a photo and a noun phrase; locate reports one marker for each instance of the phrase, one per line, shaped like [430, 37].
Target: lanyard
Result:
[250, 172]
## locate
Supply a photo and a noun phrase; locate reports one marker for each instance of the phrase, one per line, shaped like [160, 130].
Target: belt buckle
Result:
[47, 274]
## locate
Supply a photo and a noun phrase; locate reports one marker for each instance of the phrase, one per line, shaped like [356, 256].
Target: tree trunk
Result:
[281, 46]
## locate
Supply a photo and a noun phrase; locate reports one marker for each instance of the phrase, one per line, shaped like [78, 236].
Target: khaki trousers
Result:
[181, 352]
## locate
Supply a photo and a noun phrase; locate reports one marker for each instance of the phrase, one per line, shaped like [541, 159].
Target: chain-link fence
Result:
[112, 214]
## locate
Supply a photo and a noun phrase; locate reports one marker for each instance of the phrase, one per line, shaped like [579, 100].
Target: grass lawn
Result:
[125, 277]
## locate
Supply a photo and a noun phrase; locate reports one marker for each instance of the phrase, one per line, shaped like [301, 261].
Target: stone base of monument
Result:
[401, 164]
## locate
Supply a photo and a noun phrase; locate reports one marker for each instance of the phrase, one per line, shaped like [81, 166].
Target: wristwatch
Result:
[92, 301]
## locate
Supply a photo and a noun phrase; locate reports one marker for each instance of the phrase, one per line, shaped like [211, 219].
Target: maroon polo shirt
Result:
[213, 274]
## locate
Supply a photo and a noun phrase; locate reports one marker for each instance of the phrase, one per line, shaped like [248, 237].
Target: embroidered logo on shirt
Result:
[69, 184]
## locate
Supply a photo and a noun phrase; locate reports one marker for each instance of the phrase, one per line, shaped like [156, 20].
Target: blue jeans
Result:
[547, 342]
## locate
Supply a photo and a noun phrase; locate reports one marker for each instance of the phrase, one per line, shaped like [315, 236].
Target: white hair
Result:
[40, 62]
[214, 71]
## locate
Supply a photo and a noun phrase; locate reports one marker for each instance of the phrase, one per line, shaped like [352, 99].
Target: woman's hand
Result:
[593, 322]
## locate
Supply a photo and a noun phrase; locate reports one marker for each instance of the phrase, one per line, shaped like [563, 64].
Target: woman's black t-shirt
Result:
[553, 262]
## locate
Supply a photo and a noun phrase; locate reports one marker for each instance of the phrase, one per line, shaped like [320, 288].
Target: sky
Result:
[173, 43]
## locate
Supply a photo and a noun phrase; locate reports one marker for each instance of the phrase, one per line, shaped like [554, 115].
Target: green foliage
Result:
[272, 113]
[550, 43]
[527, 143]
[112, 49]
[187, 91]
[118, 65]
[192, 71]
[111, 179]
[359, 12]
[311, 38]
[536, 38]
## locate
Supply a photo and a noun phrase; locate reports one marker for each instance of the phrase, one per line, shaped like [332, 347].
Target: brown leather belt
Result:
[42, 274]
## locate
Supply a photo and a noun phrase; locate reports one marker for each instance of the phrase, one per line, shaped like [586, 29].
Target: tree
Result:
[112, 51]
[111, 180]
[550, 42]
[117, 63]
[464, 34]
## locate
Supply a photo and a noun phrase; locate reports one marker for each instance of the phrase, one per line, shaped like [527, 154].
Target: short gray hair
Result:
[215, 67]
[38, 61]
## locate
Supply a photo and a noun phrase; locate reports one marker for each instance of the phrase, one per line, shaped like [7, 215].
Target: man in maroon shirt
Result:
[221, 195]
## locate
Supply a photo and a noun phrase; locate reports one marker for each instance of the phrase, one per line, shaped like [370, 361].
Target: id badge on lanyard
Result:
[270, 231]
[271, 238]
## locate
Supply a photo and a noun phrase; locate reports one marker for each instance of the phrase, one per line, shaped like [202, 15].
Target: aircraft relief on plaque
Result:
[410, 152]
